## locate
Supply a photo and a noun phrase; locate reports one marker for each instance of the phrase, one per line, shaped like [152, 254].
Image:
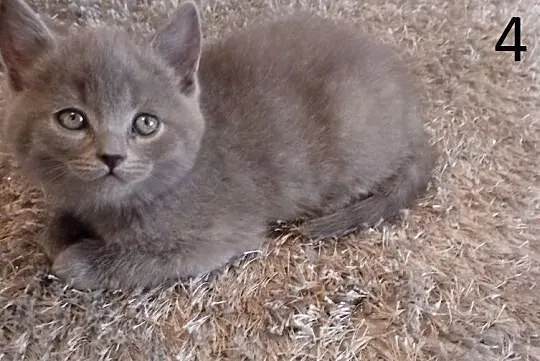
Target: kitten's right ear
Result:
[23, 38]
[179, 43]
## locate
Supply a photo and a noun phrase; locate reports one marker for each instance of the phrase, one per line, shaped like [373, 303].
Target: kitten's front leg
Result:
[82, 264]
[63, 231]
[91, 263]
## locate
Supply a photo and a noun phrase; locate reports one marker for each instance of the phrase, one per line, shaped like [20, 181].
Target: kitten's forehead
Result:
[107, 67]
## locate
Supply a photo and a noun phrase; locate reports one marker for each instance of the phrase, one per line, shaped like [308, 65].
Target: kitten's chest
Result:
[114, 224]
[157, 223]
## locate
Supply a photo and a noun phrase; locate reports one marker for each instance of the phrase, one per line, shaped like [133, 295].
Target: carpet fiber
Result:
[456, 279]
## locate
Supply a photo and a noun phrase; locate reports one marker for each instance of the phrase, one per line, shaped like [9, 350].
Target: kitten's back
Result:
[333, 112]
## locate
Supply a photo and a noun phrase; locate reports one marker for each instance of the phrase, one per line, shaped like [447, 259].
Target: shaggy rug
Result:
[456, 279]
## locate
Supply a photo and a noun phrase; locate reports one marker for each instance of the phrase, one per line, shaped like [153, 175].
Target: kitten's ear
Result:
[23, 38]
[179, 43]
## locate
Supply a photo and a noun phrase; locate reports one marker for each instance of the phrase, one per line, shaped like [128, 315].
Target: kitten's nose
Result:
[111, 160]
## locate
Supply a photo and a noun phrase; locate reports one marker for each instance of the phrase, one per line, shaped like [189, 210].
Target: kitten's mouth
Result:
[115, 176]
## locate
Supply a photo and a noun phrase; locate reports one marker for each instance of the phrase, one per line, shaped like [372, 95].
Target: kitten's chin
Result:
[113, 188]
[105, 191]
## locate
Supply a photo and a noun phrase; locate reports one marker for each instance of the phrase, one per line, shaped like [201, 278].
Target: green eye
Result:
[145, 124]
[71, 119]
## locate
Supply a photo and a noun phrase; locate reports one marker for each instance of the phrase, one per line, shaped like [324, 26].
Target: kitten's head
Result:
[96, 116]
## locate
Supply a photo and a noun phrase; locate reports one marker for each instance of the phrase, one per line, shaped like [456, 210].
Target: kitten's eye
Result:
[145, 124]
[71, 119]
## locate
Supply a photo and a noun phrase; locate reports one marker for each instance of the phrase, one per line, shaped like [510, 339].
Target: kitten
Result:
[164, 160]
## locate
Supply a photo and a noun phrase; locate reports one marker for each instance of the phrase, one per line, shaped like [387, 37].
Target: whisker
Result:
[55, 172]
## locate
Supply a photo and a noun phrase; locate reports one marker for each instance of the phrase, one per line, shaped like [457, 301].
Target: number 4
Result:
[517, 48]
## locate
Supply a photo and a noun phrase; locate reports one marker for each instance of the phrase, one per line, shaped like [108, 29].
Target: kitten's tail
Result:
[396, 193]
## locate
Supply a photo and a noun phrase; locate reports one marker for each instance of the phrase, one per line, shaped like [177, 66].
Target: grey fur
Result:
[292, 118]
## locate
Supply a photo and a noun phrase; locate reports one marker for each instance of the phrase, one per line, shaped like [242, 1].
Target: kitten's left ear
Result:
[179, 43]
[23, 38]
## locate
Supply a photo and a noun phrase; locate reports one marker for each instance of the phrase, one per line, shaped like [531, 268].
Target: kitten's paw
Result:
[75, 266]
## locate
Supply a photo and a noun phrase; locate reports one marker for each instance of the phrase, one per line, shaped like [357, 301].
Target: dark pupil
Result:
[147, 123]
[73, 117]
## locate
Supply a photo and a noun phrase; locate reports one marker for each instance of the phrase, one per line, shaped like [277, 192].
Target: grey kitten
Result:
[164, 163]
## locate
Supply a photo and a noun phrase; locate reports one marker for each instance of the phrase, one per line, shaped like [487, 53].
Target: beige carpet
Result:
[458, 279]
